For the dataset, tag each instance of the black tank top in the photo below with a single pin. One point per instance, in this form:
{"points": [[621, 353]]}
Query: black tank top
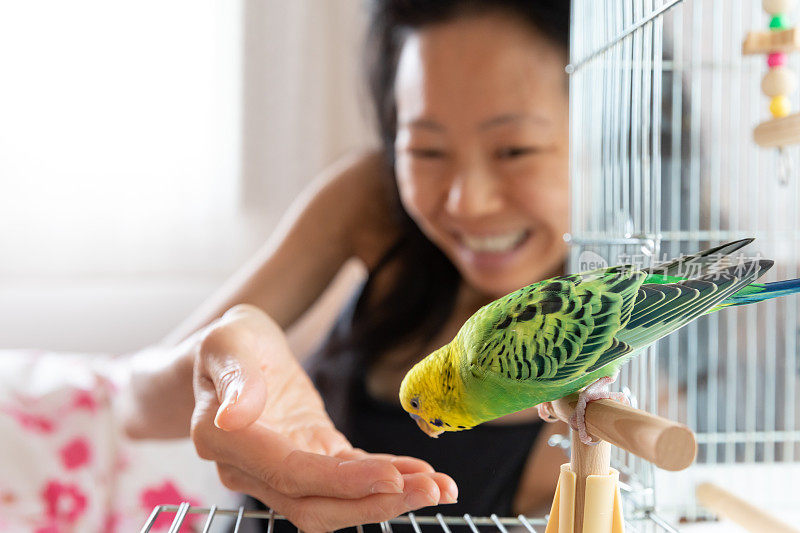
{"points": [[486, 462]]}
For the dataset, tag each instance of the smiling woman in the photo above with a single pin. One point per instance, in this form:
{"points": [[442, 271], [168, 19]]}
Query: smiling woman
{"points": [[472, 103], [481, 147], [467, 200]]}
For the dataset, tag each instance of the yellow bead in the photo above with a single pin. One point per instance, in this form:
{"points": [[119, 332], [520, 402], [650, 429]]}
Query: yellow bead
{"points": [[780, 106]]}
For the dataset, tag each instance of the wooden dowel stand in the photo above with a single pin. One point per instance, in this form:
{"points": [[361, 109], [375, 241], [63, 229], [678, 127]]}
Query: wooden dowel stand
{"points": [[587, 499], [666, 444], [723, 503], [587, 460]]}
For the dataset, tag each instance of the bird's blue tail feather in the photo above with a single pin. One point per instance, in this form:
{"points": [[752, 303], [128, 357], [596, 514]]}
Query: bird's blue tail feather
{"points": [[758, 292]]}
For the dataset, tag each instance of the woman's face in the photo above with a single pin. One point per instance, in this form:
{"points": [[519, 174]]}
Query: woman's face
{"points": [[482, 148]]}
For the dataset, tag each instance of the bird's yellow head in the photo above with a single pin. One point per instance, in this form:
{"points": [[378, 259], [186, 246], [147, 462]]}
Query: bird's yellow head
{"points": [[433, 394]]}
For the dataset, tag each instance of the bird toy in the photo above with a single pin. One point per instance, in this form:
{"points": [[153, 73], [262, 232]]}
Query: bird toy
{"points": [[779, 81]]}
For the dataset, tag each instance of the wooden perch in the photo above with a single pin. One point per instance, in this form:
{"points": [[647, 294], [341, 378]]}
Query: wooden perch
{"points": [[778, 132], [587, 497], [765, 42], [666, 444], [744, 513]]}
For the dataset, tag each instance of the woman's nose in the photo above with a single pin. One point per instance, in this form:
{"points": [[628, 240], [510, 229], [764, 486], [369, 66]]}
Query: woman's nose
{"points": [[473, 194]]}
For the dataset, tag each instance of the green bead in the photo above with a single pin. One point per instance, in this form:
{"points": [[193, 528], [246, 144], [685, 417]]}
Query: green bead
{"points": [[778, 22]]}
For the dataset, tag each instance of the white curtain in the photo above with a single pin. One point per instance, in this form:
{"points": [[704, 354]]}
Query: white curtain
{"points": [[147, 148], [304, 100]]}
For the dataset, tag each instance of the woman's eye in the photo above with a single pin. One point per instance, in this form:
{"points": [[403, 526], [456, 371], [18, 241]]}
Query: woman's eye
{"points": [[511, 152], [427, 153]]}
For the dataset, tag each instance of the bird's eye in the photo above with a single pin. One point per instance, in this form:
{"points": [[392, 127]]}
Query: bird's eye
{"points": [[437, 422], [414, 403]]}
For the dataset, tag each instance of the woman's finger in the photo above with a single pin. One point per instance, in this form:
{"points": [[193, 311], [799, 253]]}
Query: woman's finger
{"points": [[276, 462], [447, 487], [410, 465], [319, 514], [326, 514], [406, 465]]}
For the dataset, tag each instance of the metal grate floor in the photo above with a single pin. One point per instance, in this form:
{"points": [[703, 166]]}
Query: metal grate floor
{"points": [[649, 522]]}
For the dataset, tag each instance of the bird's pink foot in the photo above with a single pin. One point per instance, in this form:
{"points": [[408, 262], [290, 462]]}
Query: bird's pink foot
{"points": [[546, 412], [596, 391]]}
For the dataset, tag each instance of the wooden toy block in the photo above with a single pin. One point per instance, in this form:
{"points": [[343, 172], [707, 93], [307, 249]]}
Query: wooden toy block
{"points": [[764, 42], [778, 132]]}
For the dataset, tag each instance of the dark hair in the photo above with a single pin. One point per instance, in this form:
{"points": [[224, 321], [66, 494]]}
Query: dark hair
{"points": [[423, 292], [392, 20]]}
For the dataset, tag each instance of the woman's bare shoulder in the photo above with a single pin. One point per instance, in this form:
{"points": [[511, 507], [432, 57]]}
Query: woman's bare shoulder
{"points": [[359, 187]]}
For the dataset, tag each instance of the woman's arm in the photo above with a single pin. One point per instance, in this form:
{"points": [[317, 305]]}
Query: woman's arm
{"points": [[345, 213], [257, 415]]}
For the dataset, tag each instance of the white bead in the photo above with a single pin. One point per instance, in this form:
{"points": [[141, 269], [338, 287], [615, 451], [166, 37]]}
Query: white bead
{"points": [[778, 81], [776, 7]]}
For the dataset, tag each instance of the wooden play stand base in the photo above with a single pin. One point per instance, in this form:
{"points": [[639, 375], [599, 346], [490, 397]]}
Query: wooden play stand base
{"points": [[580, 488], [587, 498]]}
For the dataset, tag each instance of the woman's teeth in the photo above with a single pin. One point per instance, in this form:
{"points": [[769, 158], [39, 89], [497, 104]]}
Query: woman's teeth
{"points": [[494, 243]]}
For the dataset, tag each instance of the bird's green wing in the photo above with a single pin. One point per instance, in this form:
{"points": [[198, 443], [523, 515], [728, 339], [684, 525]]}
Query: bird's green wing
{"points": [[662, 308], [571, 328], [555, 330], [696, 265]]}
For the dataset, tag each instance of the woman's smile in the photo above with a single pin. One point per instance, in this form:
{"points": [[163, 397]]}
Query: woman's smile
{"points": [[493, 244], [491, 252]]}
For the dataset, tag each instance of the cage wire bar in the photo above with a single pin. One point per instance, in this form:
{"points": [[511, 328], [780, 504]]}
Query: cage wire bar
{"points": [[436, 522], [662, 164], [662, 107]]}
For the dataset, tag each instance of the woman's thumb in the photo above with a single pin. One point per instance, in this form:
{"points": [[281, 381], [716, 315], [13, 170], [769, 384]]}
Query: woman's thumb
{"points": [[241, 392], [231, 354]]}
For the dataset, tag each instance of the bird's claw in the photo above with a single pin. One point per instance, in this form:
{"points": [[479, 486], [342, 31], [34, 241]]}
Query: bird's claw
{"points": [[596, 391], [546, 412]]}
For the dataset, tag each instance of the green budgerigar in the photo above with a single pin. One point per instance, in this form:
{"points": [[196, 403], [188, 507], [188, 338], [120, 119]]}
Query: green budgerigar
{"points": [[562, 335]]}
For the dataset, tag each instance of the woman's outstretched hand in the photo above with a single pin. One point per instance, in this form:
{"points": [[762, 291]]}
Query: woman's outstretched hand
{"points": [[258, 416]]}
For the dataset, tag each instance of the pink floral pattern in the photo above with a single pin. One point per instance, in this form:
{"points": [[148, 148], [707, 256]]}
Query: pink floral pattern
{"points": [[84, 399], [166, 494], [30, 421], [75, 453], [63, 502], [67, 465]]}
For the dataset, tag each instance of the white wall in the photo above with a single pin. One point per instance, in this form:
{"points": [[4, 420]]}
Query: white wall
{"points": [[123, 144]]}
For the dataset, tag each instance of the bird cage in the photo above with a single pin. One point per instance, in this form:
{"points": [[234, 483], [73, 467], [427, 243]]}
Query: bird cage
{"points": [[663, 163]]}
